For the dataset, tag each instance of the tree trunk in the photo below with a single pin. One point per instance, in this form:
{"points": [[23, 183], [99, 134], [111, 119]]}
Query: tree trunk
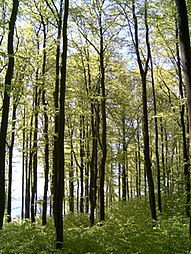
{"points": [[45, 130], [56, 108], [95, 123], [127, 180], [28, 169], [87, 170], [124, 186], [11, 163], [143, 73], [103, 115], [60, 142], [162, 152], [5, 111], [156, 138], [139, 163], [182, 120], [71, 174], [35, 149], [119, 181], [82, 164], [93, 166], [23, 163], [184, 37], [136, 174], [77, 190]]}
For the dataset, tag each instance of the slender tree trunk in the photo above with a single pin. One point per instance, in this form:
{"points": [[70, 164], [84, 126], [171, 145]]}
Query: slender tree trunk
{"points": [[71, 175], [139, 163], [92, 166], [56, 105], [45, 130], [166, 162], [77, 190], [60, 142], [87, 82], [28, 169], [11, 163], [131, 185], [162, 152], [87, 170], [23, 163], [143, 73], [119, 181], [156, 139], [82, 164], [103, 115], [127, 180], [184, 37], [145, 181], [95, 123], [92, 169], [182, 120], [5, 111], [37, 93], [35, 156], [137, 174], [124, 186]]}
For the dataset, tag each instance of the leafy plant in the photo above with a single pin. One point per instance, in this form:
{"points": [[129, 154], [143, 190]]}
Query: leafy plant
{"points": [[127, 229]]}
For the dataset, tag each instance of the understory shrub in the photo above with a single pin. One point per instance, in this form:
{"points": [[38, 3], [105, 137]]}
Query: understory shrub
{"points": [[127, 229]]}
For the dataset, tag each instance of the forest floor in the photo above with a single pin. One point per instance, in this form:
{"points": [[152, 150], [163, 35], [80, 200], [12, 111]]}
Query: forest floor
{"points": [[127, 229]]}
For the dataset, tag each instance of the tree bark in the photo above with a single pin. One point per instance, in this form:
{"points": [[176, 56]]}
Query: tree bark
{"points": [[143, 73], [5, 111], [60, 142], [184, 37], [28, 171], [56, 107], [124, 185], [23, 163], [87, 170], [104, 125], [139, 162], [45, 130], [71, 174], [119, 181], [82, 164], [11, 163], [35, 158], [182, 121], [156, 138]]}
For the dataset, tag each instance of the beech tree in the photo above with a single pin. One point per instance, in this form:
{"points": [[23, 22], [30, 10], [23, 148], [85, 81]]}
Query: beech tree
{"points": [[6, 103], [143, 73], [183, 126], [59, 181], [186, 61]]}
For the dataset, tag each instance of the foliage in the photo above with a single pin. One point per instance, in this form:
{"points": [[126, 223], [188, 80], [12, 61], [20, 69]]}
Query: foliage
{"points": [[127, 229]]}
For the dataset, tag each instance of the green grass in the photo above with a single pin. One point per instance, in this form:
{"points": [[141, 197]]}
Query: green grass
{"points": [[127, 229]]}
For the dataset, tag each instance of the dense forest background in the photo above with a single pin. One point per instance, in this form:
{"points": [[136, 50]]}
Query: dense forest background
{"points": [[95, 111]]}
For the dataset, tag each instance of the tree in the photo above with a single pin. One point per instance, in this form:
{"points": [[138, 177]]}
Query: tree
{"points": [[143, 73], [58, 16], [156, 136], [183, 126], [10, 162], [186, 61], [34, 158], [59, 181], [6, 103], [103, 112]]}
